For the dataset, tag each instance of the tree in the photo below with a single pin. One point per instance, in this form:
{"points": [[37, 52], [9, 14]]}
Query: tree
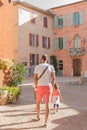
{"points": [[53, 61]]}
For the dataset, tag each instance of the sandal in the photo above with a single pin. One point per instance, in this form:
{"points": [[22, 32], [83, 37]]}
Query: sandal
{"points": [[45, 125], [38, 118]]}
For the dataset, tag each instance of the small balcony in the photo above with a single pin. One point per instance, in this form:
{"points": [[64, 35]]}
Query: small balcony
{"points": [[77, 51]]}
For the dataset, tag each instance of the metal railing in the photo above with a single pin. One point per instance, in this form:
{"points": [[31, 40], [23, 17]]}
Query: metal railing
{"points": [[77, 51]]}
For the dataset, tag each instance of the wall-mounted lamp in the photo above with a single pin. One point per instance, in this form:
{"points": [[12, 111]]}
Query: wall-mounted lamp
{"points": [[9, 1]]}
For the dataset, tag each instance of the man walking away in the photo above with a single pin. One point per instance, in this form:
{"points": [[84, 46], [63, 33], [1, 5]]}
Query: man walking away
{"points": [[44, 78]]}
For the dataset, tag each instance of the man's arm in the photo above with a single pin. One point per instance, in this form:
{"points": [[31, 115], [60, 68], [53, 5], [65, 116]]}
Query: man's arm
{"points": [[53, 78], [35, 80]]}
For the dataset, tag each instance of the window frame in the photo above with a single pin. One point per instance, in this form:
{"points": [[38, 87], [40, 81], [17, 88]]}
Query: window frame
{"points": [[33, 40], [34, 59], [46, 42]]}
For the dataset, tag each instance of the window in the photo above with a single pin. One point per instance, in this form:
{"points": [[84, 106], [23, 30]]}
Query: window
{"points": [[24, 63], [46, 42], [33, 17], [76, 18], [33, 39], [76, 42], [33, 20], [34, 59], [60, 43], [60, 21], [45, 22], [60, 65]]}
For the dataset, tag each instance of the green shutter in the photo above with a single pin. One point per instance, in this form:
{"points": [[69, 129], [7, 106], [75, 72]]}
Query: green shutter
{"points": [[58, 43], [64, 20], [81, 17], [64, 42], [55, 41], [71, 19], [55, 21]]}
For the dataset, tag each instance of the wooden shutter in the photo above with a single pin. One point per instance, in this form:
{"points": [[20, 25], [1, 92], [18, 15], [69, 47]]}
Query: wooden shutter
{"points": [[64, 42], [43, 41], [58, 43], [71, 19], [45, 21], [76, 18], [30, 39], [37, 59], [30, 59], [55, 43], [81, 17], [55, 21], [48, 42], [37, 40], [64, 20]]}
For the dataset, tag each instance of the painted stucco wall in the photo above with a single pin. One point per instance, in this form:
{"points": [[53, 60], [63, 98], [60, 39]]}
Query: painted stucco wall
{"points": [[38, 29], [69, 32]]}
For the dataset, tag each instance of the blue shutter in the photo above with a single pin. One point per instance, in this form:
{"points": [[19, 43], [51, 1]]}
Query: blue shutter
{"points": [[71, 19], [64, 20], [81, 17], [76, 16], [55, 21]]}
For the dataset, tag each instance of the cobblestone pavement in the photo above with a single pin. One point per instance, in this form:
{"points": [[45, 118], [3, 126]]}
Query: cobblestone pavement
{"points": [[72, 113]]}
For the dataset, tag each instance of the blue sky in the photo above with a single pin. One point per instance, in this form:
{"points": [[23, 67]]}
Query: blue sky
{"points": [[46, 4]]}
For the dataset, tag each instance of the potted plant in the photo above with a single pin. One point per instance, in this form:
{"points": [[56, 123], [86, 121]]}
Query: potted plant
{"points": [[9, 94], [13, 77]]}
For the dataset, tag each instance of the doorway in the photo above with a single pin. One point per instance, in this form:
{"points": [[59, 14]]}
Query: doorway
{"points": [[60, 68], [76, 67]]}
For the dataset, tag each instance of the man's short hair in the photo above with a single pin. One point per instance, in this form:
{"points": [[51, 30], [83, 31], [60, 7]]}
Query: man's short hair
{"points": [[44, 57]]}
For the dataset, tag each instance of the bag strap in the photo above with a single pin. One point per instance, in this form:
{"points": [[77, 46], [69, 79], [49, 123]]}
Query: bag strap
{"points": [[43, 72]]}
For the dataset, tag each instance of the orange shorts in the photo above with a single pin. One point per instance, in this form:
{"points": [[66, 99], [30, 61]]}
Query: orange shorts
{"points": [[44, 91]]}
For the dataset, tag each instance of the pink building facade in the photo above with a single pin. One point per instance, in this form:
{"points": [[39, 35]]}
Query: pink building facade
{"points": [[70, 39]]}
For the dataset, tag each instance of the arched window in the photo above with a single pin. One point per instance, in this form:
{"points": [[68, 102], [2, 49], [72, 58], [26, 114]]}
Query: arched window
{"points": [[76, 42]]}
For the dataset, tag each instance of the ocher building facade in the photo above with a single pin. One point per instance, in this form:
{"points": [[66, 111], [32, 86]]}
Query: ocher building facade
{"points": [[8, 33], [7, 30], [70, 38]]}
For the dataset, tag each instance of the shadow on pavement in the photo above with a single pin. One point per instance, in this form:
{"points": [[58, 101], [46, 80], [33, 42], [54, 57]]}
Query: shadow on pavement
{"points": [[77, 122]]}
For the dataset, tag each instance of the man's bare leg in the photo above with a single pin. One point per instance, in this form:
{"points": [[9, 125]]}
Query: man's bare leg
{"points": [[38, 110], [46, 112]]}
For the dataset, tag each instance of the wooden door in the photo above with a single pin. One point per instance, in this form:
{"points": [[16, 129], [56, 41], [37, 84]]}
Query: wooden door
{"points": [[76, 67]]}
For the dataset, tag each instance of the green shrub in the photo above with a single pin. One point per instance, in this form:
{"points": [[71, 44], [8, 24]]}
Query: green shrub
{"points": [[18, 74], [11, 92]]}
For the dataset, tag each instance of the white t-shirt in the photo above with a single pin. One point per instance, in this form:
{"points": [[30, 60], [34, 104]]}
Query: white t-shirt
{"points": [[46, 77]]}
